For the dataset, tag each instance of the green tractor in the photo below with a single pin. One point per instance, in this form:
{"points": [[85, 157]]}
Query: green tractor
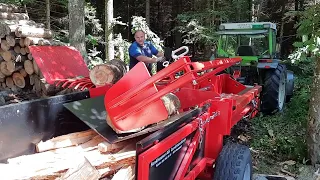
{"points": [[256, 44]]}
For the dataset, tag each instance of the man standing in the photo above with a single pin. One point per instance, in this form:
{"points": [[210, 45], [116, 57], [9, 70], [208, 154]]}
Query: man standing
{"points": [[142, 51]]}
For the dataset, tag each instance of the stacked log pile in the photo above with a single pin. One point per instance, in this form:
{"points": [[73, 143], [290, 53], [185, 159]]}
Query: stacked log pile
{"points": [[81, 155], [18, 71]]}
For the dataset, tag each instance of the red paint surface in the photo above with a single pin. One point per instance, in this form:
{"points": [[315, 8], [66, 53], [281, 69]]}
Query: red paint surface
{"points": [[59, 62]]}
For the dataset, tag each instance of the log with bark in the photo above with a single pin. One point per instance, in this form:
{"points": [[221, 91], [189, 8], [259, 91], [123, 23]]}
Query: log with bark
{"points": [[108, 73], [70, 155]]}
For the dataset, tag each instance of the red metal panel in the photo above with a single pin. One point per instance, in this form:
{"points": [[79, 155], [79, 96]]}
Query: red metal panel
{"points": [[59, 62], [151, 154]]}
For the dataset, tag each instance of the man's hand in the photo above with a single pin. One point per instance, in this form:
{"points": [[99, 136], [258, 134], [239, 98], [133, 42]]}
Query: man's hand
{"points": [[160, 59]]}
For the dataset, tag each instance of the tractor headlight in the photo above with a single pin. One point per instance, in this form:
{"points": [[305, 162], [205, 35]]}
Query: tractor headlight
{"points": [[222, 27]]}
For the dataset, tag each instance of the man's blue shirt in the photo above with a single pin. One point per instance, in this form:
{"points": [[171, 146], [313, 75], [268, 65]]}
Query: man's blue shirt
{"points": [[136, 50]]}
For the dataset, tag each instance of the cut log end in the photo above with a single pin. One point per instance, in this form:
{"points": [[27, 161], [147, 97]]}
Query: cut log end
{"points": [[108, 73], [18, 80]]}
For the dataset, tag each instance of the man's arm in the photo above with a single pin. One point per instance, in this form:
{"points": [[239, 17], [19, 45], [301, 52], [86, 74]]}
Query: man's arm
{"points": [[136, 53], [155, 51]]}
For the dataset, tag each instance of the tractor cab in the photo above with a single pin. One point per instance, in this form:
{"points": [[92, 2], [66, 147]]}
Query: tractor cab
{"points": [[250, 41]]}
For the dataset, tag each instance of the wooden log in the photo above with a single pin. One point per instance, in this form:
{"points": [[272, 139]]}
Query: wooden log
{"points": [[9, 8], [36, 68], [82, 170], [17, 49], [14, 16], [2, 75], [49, 164], [30, 57], [4, 30], [4, 69], [105, 147], [171, 103], [65, 141], [11, 40], [11, 66], [108, 73], [7, 55], [33, 32], [27, 49], [31, 79], [23, 51], [9, 82], [21, 43], [23, 72], [28, 66], [18, 80], [125, 173], [33, 41], [4, 45]]}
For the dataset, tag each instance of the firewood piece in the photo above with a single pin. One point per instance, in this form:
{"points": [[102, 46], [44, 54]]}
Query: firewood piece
{"points": [[9, 8], [27, 49], [82, 170], [28, 41], [4, 69], [14, 16], [10, 39], [28, 66], [23, 51], [9, 82], [108, 73], [18, 80], [30, 57], [4, 30], [51, 164], [33, 32], [17, 49], [21, 43], [125, 173], [35, 67], [23, 72], [11, 66], [4, 45], [2, 75], [65, 141], [107, 147], [7, 55], [171, 103], [31, 79], [2, 80]]}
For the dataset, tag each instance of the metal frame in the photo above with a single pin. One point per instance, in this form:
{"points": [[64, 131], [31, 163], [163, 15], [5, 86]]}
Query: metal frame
{"points": [[227, 102]]}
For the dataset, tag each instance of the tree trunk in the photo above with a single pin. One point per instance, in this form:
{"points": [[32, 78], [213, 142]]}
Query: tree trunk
{"points": [[108, 29], [313, 139], [148, 12], [77, 26], [48, 14]]}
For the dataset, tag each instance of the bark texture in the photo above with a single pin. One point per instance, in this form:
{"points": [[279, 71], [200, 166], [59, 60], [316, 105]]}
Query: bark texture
{"points": [[313, 139]]}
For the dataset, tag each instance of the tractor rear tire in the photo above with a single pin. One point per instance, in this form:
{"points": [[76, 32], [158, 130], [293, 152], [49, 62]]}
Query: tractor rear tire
{"points": [[274, 90], [233, 163]]}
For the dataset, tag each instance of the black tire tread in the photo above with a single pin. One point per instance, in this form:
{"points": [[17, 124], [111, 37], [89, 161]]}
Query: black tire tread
{"points": [[271, 89], [231, 161]]}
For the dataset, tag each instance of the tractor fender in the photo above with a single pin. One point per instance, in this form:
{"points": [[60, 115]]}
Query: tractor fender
{"points": [[290, 84], [268, 65]]}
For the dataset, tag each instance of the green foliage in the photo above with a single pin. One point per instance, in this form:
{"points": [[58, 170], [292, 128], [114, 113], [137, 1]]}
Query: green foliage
{"points": [[139, 23], [283, 136], [308, 26]]}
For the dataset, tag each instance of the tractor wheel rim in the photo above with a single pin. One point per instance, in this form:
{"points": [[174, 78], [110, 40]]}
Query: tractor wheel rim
{"points": [[282, 91], [247, 173]]}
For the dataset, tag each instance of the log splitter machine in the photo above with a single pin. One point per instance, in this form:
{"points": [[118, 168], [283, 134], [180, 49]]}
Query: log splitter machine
{"points": [[181, 145], [186, 145]]}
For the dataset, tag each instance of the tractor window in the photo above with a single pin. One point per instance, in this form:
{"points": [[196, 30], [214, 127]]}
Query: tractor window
{"points": [[245, 45]]}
